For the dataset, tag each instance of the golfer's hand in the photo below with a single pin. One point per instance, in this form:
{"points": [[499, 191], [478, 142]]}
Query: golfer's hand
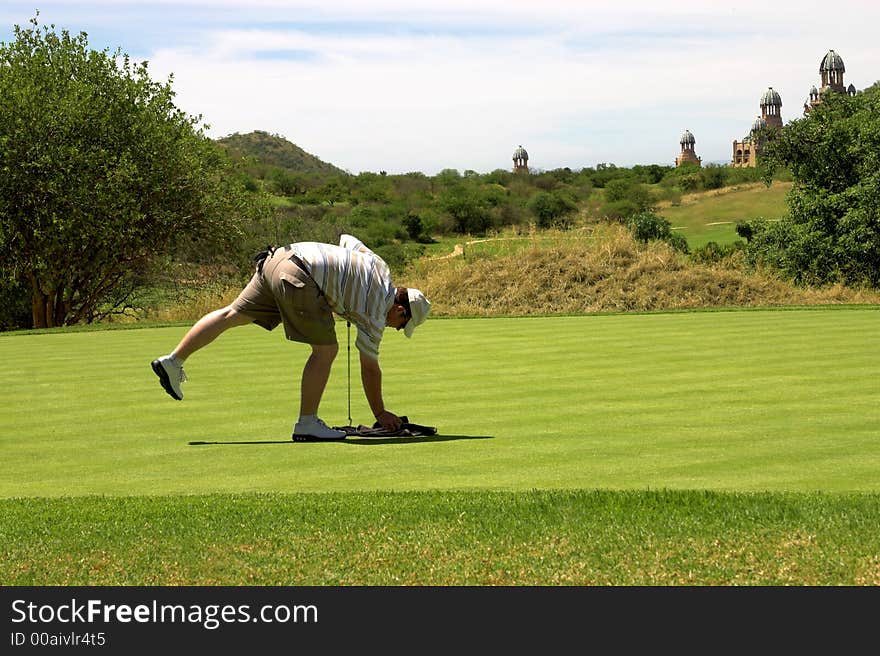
{"points": [[389, 420]]}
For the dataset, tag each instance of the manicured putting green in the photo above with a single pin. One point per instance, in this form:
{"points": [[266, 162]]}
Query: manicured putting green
{"points": [[740, 400]]}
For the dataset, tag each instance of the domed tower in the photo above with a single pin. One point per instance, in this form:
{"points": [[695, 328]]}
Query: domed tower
{"points": [[771, 108], [520, 160], [745, 152], [831, 69], [812, 101], [687, 154]]}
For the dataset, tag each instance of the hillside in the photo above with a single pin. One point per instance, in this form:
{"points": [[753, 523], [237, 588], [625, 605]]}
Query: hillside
{"points": [[598, 269], [712, 215], [275, 150]]}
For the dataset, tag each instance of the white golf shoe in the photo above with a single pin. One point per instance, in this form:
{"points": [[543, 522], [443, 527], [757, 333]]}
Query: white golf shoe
{"points": [[313, 429], [170, 374]]}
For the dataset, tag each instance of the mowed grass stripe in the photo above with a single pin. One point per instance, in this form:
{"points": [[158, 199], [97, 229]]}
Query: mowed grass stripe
{"points": [[739, 400]]}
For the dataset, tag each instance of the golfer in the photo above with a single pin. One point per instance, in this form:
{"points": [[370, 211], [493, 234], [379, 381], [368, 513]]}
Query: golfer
{"points": [[301, 286]]}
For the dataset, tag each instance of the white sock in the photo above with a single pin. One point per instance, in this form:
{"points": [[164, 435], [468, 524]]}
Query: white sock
{"points": [[307, 419], [175, 360]]}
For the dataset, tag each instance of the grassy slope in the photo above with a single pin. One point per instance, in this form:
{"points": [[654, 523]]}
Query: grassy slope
{"points": [[700, 217], [746, 400], [712, 216], [598, 268]]}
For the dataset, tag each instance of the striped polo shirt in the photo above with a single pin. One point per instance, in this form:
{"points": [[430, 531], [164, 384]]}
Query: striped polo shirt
{"points": [[356, 283]]}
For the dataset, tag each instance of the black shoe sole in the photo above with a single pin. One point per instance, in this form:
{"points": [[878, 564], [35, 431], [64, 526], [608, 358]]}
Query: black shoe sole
{"points": [[309, 438], [159, 370]]}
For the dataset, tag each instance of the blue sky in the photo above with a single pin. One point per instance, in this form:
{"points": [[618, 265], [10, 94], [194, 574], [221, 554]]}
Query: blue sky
{"points": [[400, 86]]}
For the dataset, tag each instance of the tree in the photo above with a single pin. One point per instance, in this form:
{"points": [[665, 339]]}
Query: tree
{"points": [[289, 183], [412, 222], [627, 196], [650, 173], [831, 232], [467, 210], [335, 190], [550, 207], [686, 177], [712, 176], [100, 175]]}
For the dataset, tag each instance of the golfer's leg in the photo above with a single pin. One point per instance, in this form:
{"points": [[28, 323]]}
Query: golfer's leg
{"points": [[209, 328], [315, 376]]}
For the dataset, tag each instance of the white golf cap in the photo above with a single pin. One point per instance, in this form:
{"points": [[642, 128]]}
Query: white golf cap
{"points": [[419, 308]]}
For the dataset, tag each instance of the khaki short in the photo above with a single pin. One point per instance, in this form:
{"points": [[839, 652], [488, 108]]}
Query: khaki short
{"points": [[285, 293]]}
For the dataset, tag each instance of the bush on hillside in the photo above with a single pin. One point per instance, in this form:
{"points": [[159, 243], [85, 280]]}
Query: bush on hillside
{"points": [[715, 253], [551, 208], [467, 208], [629, 190], [647, 226]]}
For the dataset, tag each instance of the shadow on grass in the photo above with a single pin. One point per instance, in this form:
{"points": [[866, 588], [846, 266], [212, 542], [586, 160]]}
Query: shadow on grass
{"points": [[356, 440], [414, 440]]}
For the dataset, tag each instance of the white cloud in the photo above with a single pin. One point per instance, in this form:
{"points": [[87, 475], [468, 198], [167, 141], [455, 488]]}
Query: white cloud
{"points": [[402, 86]]}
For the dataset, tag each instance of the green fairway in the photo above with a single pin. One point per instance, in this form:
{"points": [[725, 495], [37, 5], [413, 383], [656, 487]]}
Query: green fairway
{"points": [[713, 216], [776, 400]]}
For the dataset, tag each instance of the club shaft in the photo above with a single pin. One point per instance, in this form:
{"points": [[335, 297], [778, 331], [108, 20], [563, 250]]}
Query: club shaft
{"points": [[348, 349]]}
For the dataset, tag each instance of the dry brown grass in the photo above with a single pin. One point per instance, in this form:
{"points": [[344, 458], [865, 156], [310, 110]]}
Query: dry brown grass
{"points": [[195, 307], [189, 292], [605, 271]]}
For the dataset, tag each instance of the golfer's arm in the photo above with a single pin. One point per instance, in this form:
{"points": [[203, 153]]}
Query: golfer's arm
{"points": [[371, 377]]}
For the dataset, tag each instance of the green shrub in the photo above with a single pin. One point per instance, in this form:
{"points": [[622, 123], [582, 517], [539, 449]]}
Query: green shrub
{"points": [[550, 208], [712, 177], [647, 226], [413, 225], [620, 210], [713, 253], [678, 241], [466, 207]]}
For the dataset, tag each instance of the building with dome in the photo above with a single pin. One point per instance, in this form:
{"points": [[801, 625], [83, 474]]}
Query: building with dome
{"points": [[687, 155], [771, 108], [747, 150], [831, 70], [520, 160]]}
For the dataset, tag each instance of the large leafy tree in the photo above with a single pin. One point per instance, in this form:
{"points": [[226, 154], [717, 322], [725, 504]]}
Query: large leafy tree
{"points": [[100, 176], [550, 207], [467, 207], [831, 232]]}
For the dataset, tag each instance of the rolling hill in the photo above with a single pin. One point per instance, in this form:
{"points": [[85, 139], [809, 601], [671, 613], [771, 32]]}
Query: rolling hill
{"points": [[275, 150]]}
